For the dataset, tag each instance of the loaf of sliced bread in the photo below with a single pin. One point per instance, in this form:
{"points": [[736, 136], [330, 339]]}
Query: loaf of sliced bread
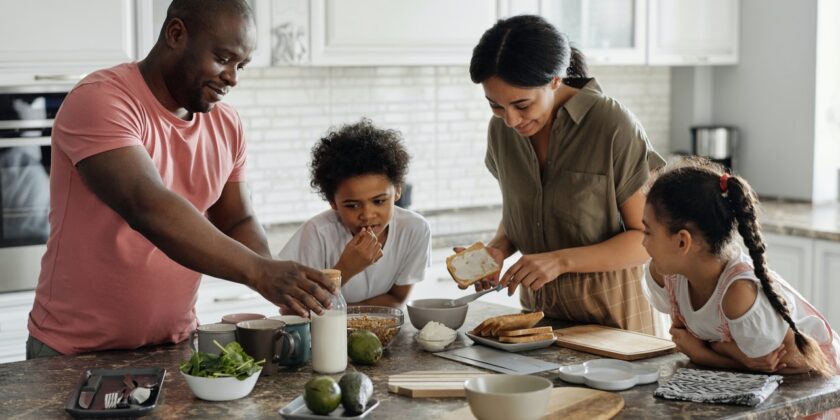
{"points": [[526, 331], [528, 338], [471, 265], [491, 327]]}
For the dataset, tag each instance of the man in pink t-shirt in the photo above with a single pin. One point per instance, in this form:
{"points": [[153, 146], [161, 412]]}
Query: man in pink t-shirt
{"points": [[147, 192]]}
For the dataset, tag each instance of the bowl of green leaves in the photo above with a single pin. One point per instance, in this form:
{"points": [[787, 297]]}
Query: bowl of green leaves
{"points": [[229, 376]]}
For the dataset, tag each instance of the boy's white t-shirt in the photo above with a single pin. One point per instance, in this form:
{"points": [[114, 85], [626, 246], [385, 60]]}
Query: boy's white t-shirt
{"points": [[319, 242]]}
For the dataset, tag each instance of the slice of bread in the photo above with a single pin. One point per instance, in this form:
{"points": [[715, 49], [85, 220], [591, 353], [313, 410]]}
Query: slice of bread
{"points": [[526, 331], [471, 265], [528, 338], [491, 327]]}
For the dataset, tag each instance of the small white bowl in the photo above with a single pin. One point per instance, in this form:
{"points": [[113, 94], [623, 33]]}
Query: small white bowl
{"points": [[434, 345], [221, 389], [504, 397]]}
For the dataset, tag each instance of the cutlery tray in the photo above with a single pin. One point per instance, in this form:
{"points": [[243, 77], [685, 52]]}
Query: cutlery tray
{"points": [[112, 381]]}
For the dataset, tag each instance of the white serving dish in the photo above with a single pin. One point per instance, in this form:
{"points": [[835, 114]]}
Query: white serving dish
{"points": [[511, 347], [609, 374], [221, 389]]}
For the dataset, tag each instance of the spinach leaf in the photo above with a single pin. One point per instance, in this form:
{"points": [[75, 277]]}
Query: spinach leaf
{"points": [[232, 361]]}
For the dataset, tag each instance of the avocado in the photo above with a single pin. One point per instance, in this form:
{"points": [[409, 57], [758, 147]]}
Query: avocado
{"points": [[356, 391], [364, 347]]}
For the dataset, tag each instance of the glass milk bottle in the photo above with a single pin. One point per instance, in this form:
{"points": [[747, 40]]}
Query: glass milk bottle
{"points": [[329, 332]]}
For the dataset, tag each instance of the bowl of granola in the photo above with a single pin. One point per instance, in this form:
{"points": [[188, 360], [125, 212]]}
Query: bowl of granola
{"points": [[385, 322]]}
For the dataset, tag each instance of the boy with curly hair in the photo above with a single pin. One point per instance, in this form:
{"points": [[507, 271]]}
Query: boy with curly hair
{"points": [[381, 249]]}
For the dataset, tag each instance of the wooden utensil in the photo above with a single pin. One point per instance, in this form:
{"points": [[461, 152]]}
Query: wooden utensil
{"points": [[613, 342], [432, 384], [568, 403]]}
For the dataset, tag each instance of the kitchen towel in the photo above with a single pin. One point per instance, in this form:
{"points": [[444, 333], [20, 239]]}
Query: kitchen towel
{"points": [[718, 387]]}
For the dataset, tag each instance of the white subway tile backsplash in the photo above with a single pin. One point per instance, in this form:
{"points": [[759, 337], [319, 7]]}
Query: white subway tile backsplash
{"points": [[442, 115]]}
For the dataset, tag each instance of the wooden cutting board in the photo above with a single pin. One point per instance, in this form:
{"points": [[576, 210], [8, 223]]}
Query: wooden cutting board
{"points": [[432, 384], [568, 403], [613, 342]]}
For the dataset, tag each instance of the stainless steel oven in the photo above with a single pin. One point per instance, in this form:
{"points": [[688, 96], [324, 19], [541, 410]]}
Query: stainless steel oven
{"points": [[26, 119]]}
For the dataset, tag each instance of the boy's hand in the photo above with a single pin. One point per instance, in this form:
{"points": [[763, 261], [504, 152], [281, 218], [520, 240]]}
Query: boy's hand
{"points": [[362, 251]]}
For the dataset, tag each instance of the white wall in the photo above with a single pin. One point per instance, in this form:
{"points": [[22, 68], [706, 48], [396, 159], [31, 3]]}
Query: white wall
{"points": [[441, 113], [768, 95], [827, 132]]}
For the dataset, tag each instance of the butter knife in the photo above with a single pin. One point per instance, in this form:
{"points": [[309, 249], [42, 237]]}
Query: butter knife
{"points": [[88, 391]]}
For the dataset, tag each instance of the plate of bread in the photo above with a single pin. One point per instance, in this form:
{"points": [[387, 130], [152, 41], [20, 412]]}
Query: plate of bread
{"points": [[513, 332]]}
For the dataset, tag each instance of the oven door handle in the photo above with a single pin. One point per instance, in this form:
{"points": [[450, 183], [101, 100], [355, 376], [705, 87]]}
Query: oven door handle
{"points": [[59, 77]]}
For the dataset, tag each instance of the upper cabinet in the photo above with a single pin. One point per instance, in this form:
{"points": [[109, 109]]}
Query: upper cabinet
{"points": [[405, 32], [693, 32], [59, 39], [606, 31]]}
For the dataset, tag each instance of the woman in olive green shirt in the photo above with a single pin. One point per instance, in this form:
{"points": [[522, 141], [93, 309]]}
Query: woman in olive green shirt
{"points": [[571, 163]]}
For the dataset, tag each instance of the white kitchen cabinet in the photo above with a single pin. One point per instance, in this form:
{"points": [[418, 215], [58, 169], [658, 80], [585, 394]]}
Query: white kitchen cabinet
{"points": [[693, 32], [58, 39], [405, 32], [793, 258], [217, 298], [14, 315], [606, 31], [827, 280]]}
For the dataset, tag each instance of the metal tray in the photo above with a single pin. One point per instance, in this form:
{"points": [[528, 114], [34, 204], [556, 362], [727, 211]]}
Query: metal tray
{"points": [[111, 382], [511, 347], [296, 410]]}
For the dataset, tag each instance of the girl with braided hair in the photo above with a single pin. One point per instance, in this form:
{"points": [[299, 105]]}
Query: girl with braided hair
{"points": [[729, 310]]}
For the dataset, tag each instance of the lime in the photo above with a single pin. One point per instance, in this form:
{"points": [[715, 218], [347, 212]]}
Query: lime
{"points": [[322, 395], [364, 347]]}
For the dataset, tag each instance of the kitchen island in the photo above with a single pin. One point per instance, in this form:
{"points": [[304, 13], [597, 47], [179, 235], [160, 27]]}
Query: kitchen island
{"points": [[40, 388]]}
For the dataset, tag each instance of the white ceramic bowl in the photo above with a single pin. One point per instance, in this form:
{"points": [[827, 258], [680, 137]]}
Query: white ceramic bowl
{"points": [[421, 311], [504, 397], [434, 345], [221, 389]]}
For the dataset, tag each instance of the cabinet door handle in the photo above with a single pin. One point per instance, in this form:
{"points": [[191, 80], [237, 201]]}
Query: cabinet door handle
{"points": [[237, 298], [60, 77]]}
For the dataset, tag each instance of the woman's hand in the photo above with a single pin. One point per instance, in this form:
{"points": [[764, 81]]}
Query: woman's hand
{"points": [[362, 251], [769, 363], [686, 342], [488, 282], [533, 271]]}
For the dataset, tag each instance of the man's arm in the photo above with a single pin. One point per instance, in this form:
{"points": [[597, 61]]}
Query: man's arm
{"points": [[127, 181], [233, 215]]}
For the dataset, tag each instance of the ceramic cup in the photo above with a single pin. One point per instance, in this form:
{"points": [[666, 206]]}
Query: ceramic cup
{"points": [[201, 339], [266, 339], [299, 328], [237, 318]]}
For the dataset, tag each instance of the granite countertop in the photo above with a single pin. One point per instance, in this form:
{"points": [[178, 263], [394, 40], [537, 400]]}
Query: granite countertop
{"points": [[40, 388], [817, 221]]}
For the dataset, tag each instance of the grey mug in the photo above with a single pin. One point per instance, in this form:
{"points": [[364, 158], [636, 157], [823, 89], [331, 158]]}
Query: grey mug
{"points": [[201, 338]]}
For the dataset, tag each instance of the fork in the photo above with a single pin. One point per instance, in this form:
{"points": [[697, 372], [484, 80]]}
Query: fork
{"points": [[112, 399]]}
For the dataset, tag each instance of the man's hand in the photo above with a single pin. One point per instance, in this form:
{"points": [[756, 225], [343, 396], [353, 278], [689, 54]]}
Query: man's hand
{"points": [[294, 287], [489, 282], [362, 251]]}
